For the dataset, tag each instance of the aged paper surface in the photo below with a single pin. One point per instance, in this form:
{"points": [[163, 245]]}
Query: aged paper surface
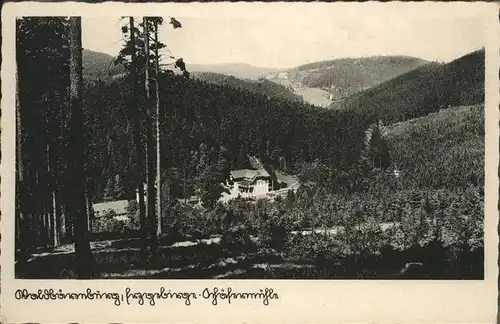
{"points": [[234, 39]]}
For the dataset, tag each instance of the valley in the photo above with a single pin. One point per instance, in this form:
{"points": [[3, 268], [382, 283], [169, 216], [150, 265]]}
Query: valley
{"points": [[352, 168], [330, 82]]}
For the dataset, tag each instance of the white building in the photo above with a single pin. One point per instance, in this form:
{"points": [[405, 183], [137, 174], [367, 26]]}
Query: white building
{"points": [[251, 182], [254, 182], [118, 207]]}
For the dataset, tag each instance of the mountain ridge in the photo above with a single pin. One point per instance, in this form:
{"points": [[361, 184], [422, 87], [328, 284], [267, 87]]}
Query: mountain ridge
{"points": [[424, 90], [97, 64], [238, 70], [343, 77], [324, 82], [261, 86]]}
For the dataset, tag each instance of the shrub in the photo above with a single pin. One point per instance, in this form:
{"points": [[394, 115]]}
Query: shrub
{"points": [[271, 231], [237, 240], [319, 248]]}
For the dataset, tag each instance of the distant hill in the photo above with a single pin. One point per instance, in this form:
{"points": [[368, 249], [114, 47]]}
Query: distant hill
{"points": [[101, 64], [341, 78], [261, 86], [424, 90], [442, 149], [96, 64], [239, 70]]}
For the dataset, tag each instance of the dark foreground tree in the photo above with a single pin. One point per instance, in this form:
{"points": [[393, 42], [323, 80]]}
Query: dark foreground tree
{"points": [[21, 230], [42, 58], [137, 139], [156, 22], [77, 205], [152, 65], [134, 112], [149, 144]]}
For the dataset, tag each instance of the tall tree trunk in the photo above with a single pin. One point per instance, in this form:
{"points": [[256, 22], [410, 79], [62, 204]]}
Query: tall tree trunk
{"points": [[57, 219], [61, 209], [68, 221], [84, 259], [47, 214], [47, 199], [137, 143], [50, 198], [150, 147], [88, 209], [158, 147], [184, 186], [21, 215], [57, 233], [19, 169], [37, 209]]}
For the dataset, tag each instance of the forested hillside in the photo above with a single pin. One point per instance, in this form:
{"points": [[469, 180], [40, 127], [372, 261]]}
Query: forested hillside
{"points": [[238, 70], [393, 181], [261, 86], [427, 149], [246, 121], [216, 118], [99, 65], [344, 77], [424, 90]]}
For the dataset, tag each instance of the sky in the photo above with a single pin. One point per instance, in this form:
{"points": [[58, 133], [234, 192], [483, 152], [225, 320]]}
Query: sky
{"points": [[296, 35]]}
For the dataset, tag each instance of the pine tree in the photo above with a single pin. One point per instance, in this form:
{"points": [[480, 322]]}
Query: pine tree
{"points": [[203, 158], [376, 151], [109, 192], [118, 189], [157, 124], [149, 144], [130, 49], [224, 163], [84, 257], [21, 217]]}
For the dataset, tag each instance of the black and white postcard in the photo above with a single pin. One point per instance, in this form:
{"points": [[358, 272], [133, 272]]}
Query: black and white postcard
{"points": [[249, 162]]}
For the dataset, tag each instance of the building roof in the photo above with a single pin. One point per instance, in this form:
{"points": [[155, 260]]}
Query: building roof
{"points": [[249, 174], [118, 206]]}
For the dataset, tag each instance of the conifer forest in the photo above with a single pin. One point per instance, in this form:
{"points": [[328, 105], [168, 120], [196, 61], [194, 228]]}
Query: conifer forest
{"points": [[134, 166]]}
